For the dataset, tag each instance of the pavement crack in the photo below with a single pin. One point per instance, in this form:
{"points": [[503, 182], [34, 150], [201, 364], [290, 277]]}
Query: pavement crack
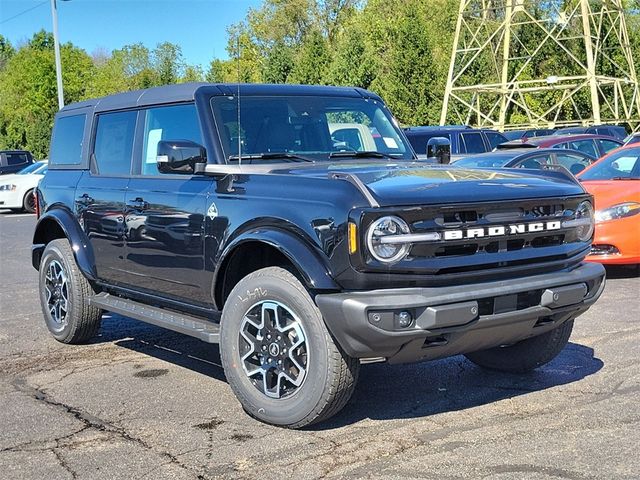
{"points": [[91, 421]]}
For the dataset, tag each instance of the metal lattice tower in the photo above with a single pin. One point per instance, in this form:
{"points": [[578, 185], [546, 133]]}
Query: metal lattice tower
{"points": [[505, 71]]}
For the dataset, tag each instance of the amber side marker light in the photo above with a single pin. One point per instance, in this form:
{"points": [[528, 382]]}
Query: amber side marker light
{"points": [[353, 238]]}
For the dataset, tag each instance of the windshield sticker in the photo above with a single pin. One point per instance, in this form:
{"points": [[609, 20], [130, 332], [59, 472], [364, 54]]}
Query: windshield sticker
{"points": [[390, 142]]}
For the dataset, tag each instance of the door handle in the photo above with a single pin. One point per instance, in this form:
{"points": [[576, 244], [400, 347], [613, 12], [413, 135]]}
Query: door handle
{"points": [[137, 204]]}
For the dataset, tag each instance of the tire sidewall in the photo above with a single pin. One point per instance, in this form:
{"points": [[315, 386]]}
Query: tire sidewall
{"points": [[25, 207], [54, 252], [295, 408]]}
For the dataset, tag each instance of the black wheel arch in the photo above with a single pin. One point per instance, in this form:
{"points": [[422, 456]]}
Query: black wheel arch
{"points": [[60, 222], [275, 247]]}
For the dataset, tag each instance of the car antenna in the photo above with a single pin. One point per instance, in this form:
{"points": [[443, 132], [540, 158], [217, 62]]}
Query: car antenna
{"points": [[238, 133]]}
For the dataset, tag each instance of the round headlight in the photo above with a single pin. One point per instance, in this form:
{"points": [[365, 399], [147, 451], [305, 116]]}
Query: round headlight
{"points": [[585, 222], [387, 251]]}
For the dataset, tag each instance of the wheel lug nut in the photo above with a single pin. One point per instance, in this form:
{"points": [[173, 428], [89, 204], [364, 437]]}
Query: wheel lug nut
{"points": [[279, 337], [279, 362], [268, 336], [264, 347]]}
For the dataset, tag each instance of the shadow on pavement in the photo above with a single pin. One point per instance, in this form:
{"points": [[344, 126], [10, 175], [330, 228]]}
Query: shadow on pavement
{"points": [[384, 392], [622, 271]]}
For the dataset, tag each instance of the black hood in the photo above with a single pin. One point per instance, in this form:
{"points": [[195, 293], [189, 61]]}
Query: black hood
{"points": [[413, 183]]}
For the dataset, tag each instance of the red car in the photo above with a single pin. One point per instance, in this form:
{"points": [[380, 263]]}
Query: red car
{"points": [[593, 145], [614, 181]]}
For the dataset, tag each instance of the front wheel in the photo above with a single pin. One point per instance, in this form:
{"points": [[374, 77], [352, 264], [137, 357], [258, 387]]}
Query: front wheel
{"points": [[278, 356], [527, 354]]}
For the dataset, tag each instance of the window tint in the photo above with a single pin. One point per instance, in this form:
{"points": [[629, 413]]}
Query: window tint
{"points": [[607, 145], [16, 158], [179, 122], [495, 139], [114, 142], [66, 143], [586, 146], [473, 142], [535, 162], [574, 163], [419, 140]]}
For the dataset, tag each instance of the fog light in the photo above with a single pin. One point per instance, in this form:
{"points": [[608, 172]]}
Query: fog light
{"points": [[404, 319]]}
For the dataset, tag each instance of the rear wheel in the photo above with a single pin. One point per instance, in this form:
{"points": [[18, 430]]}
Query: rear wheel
{"points": [[278, 356], [64, 293], [525, 355], [29, 201]]}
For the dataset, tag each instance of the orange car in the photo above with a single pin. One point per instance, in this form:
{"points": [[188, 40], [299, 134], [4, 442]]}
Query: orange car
{"points": [[614, 181]]}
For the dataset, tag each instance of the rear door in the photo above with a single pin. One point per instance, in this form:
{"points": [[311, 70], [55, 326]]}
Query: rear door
{"points": [[100, 193], [165, 213], [472, 142]]}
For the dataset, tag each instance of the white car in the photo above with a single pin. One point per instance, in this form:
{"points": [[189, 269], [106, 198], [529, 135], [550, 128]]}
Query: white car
{"points": [[17, 190]]}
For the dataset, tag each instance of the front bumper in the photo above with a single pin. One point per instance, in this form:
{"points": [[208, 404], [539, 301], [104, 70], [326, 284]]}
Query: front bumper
{"points": [[458, 319]]}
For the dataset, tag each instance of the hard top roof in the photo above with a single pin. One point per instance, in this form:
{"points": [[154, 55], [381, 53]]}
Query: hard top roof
{"points": [[185, 92]]}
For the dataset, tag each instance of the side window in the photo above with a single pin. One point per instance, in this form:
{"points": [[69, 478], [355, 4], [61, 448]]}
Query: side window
{"points": [[561, 145], [178, 122], [16, 158], [607, 145], [586, 146], [473, 142], [66, 142], [536, 161], [573, 163], [495, 139], [114, 142]]}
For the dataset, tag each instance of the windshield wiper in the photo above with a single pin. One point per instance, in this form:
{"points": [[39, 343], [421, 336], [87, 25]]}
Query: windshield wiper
{"points": [[357, 154], [270, 156]]}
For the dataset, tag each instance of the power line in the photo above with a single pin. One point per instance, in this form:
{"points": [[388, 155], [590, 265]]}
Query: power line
{"points": [[23, 12]]}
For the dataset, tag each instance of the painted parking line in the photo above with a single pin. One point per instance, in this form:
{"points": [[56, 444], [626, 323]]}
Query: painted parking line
{"points": [[16, 215]]}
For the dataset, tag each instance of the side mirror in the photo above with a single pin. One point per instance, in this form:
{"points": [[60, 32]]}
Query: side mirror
{"points": [[179, 156], [439, 148]]}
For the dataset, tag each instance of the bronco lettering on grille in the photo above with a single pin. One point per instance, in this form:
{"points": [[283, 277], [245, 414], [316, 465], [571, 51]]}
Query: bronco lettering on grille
{"points": [[501, 230]]}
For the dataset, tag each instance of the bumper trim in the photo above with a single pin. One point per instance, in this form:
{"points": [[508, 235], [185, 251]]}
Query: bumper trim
{"points": [[446, 322]]}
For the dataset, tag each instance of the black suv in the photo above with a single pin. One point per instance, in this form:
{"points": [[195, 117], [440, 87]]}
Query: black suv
{"points": [[269, 219], [463, 139], [12, 161]]}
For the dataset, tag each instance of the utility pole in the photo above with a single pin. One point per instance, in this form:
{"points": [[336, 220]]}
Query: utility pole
{"points": [[501, 43], [56, 48]]}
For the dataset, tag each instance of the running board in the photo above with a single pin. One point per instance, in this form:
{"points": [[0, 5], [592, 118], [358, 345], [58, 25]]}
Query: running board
{"points": [[178, 322]]}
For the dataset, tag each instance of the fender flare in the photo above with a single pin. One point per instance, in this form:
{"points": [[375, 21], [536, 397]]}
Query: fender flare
{"points": [[65, 221], [305, 258]]}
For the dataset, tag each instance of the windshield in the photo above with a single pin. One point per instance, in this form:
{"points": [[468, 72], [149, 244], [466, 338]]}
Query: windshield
{"points": [[306, 127], [619, 165], [34, 168]]}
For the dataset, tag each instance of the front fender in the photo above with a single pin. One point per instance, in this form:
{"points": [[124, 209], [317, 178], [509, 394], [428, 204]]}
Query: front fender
{"points": [[58, 223], [308, 262]]}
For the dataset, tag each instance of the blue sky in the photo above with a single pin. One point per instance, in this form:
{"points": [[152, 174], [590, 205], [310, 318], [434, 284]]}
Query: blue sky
{"points": [[198, 26]]}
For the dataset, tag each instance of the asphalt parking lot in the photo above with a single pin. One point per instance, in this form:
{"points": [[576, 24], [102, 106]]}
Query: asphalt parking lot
{"points": [[141, 402]]}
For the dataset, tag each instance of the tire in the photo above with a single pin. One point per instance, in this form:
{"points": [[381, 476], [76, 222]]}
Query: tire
{"points": [[525, 355], [330, 375], [62, 283], [29, 202]]}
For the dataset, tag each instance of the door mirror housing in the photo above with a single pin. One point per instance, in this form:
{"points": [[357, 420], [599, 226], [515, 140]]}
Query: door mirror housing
{"points": [[439, 149], [179, 156]]}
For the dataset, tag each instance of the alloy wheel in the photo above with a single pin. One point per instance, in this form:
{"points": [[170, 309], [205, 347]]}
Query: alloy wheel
{"points": [[273, 349]]}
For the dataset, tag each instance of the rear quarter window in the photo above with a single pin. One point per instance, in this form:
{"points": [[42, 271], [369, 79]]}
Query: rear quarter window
{"points": [[66, 142], [16, 158]]}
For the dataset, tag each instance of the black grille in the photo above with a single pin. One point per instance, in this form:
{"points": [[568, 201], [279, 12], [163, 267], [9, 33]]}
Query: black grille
{"points": [[485, 252]]}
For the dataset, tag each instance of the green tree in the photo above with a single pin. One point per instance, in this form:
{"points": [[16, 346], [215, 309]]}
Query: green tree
{"points": [[312, 60], [29, 97], [168, 63]]}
